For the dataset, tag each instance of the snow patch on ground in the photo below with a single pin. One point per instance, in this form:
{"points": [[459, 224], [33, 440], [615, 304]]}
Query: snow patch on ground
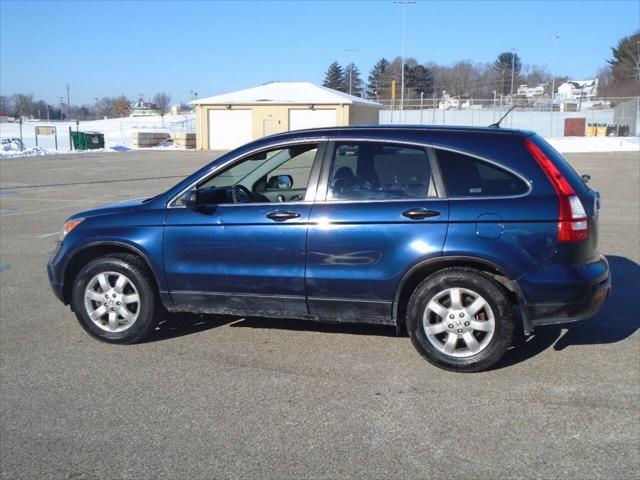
{"points": [[38, 151], [117, 133], [595, 144]]}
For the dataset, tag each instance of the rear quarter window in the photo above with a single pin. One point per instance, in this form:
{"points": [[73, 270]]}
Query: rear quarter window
{"points": [[466, 176]]}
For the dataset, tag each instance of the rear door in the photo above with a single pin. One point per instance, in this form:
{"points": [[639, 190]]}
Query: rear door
{"points": [[378, 211]]}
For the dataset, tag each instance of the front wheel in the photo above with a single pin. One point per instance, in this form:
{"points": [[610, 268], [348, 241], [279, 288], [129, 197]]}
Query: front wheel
{"points": [[114, 299], [460, 319]]}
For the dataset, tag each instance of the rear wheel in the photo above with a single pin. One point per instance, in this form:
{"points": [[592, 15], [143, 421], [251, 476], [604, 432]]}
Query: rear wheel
{"points": [[461, 319], [114, 299]]}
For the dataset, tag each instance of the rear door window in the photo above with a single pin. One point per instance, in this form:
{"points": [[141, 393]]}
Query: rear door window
{"points": [[380, 171], [466, 176]]}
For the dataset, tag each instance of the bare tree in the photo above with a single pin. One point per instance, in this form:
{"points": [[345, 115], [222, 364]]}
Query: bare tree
{"points": [[104, 106], [5, 105], [121, 107], [534, 75], [162, 102], [22, 104]]}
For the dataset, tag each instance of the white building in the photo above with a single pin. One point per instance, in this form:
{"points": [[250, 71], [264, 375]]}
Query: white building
{"points": [[578, 90], [531, 92], [448, 101], [229, 120]]}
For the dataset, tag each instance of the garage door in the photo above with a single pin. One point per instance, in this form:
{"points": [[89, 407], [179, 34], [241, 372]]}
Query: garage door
{"points": [[229, 128], [299, 119]]}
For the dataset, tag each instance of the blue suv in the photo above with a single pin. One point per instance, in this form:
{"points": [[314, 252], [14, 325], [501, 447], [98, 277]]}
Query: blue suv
{"points": [[465, 237]]}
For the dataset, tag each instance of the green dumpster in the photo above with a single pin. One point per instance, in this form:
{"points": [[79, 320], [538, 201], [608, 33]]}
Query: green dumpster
{"points": [[87, 140]]}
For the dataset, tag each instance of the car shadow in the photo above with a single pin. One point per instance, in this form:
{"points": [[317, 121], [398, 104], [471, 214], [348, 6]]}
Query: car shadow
{"points": [[174, 325], [313, 326], [618, 319]]}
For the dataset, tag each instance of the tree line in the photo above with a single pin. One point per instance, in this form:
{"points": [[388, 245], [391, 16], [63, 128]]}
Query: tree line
{"points": [[25, 106], [465, 79]]}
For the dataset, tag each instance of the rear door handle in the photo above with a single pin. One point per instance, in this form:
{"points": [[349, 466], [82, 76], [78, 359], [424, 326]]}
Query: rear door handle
{"points": [[281, 215], [420, 213]]}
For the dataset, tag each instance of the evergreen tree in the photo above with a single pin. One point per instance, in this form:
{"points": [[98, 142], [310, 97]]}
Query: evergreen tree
{"points": [[375, 82], [503, 66], [334, 77], [625, 64], [352, 81], [420, 79]]}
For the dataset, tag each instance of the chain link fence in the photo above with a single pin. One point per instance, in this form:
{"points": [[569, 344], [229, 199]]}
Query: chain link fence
{"points": [[541, 116]]}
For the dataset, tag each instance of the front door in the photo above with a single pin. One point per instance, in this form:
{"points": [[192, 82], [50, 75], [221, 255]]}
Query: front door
{"points": [[382, 213], [242, 250]]}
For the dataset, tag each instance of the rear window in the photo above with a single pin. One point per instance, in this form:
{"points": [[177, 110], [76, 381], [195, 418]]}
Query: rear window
{"points": [[466, 176]]}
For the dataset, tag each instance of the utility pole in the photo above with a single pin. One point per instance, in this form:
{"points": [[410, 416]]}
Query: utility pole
{"points": [[68, 103], [404, 4]]}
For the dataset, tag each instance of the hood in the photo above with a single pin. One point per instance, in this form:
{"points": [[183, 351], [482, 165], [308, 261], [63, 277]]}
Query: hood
{"points": [[117, 207]]}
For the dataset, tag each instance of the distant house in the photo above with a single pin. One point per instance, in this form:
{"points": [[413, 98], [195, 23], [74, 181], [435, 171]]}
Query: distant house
{"points": [[578, 90], [181, 109], [531, 92], [143, 109], [448, 101]]}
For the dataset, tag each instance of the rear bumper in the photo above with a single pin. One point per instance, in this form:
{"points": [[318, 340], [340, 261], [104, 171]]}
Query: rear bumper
{"points": [[551, 313], [585, 301]]}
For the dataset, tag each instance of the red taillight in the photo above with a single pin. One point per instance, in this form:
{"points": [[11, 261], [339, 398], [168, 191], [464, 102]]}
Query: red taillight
{"points": [[572, 222]]}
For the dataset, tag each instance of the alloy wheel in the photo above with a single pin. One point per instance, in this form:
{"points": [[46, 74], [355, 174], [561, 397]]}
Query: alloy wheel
{"points": [[459, 322], [112, 301]]}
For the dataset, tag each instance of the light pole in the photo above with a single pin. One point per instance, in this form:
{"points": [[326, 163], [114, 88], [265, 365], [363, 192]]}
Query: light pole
{"points": [[404, 4], [349, 51], [513, 68], [553, 78], [68, 103], [553, 67]]}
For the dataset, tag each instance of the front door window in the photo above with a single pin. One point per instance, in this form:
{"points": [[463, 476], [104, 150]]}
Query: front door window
{"points": [[280, 175]]}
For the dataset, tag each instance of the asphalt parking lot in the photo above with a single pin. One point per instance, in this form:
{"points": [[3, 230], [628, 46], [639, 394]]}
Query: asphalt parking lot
{"points": [[213, 397]]}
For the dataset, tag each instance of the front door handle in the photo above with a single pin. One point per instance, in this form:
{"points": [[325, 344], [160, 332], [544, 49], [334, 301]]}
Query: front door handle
{"points": [[281, 215], [420, 213]]}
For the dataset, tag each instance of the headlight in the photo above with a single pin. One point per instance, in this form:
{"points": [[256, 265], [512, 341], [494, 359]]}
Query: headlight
{"points": [[68, 226]]}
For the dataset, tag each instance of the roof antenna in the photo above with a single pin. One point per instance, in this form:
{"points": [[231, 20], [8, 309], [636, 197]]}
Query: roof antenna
{"points": [[497, 124]]}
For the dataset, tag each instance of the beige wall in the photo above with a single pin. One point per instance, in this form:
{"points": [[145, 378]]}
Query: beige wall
{"points": [[279, 117], [363, 115]]}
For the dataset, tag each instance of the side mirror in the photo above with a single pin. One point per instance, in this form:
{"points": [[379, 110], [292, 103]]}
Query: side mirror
{"points": [[280, 182], [191, 199], [585, 178]]}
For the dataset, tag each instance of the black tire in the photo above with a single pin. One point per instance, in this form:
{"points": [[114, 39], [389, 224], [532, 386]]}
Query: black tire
{"points": [[137, 272], [492, 292]]}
